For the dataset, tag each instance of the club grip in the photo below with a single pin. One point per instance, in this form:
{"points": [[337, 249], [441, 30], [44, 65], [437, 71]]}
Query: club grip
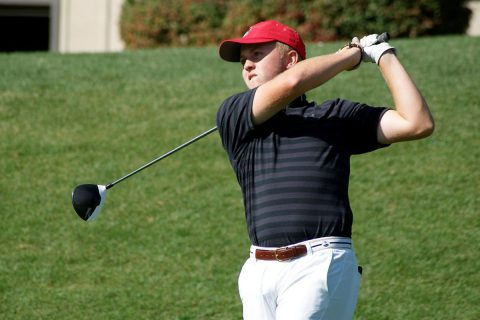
{"points": [[384, 37]]}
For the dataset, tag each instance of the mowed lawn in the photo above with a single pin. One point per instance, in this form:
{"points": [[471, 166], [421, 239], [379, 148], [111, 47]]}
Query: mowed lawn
{"points": [[171, 240]]}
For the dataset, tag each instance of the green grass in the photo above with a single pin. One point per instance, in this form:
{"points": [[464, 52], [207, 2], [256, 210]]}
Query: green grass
{"points": [[170, 241]]}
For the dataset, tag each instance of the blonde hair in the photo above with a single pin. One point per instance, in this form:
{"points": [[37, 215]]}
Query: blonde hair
{"points": [[285, 48]]}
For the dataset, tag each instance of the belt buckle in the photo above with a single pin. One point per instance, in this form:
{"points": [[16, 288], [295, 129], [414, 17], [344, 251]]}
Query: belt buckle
{"points": [[279, 251]]}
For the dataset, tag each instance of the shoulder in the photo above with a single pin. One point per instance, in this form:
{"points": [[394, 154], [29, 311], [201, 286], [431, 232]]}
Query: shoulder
{"points": [[241, 98], [235, 107], [342, 108]]}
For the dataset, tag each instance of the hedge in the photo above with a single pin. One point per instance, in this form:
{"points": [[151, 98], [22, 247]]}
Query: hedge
{"points": [[152, 23]]}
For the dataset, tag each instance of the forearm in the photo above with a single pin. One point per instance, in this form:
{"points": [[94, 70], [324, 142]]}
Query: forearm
{"points": [[314, 72], [306, 75], [412, 119]]}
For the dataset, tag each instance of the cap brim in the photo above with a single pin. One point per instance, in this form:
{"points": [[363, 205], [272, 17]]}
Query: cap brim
{"points": [[229, 50]]}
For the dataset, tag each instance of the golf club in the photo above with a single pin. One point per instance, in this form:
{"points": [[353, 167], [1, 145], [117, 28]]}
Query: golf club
{"points": [[88, 199], [384, 37]]}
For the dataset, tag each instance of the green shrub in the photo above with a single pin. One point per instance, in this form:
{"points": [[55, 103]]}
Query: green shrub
{"points": [[153, 23], [149, 23], [407, 18], [300, 14]]}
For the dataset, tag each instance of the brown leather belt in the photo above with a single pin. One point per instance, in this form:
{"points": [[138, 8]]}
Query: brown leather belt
{"points": [[281, 254]]}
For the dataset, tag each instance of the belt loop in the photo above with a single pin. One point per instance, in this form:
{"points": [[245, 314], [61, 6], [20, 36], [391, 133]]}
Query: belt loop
{"points": [[252, 252], [309, 247]]}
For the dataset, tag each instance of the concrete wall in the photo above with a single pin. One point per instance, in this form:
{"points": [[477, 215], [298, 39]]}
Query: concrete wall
{"points": [[89, 26], [474, 27]]}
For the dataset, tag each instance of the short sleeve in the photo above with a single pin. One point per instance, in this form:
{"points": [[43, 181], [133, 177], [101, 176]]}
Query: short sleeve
{"points": [[361, 124], [234, 121]]}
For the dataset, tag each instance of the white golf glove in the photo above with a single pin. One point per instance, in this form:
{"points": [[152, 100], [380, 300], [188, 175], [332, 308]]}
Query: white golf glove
{"points": [[367, 41], [373, 52]]}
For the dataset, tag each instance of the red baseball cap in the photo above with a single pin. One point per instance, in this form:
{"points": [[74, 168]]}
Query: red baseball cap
{"points": [[262, 32]]}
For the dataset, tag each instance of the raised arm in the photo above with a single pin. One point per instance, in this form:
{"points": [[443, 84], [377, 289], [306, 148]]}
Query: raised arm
{"points": [[411, 118], [274, 95]]}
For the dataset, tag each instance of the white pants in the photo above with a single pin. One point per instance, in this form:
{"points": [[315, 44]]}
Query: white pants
{"points": [[322, 285]]}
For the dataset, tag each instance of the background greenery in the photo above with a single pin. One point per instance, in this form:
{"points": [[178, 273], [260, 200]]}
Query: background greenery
{"points": [[170, 241], [154, 23]]}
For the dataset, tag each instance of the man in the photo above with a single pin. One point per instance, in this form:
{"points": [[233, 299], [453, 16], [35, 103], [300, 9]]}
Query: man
{"points": [[291, 158]]}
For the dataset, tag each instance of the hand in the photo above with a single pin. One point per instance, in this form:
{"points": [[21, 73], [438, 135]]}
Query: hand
{"points": [[373, 51], [355, 43], [369, 40]]}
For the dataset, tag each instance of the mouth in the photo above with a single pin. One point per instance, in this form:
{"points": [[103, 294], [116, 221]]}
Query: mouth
{"points": [[251, 76]]}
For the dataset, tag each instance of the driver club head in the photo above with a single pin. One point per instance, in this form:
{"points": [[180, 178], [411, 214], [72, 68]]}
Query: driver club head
{"points": [[88, 199]]}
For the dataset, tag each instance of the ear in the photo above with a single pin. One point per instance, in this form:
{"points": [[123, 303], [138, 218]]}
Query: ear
{"points": [[292, 58]]}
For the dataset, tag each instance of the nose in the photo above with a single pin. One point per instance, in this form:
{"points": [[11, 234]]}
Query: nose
{"points": [[248, 65]]}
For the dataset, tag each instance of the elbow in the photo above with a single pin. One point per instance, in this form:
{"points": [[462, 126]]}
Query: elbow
{"points": [[426, 125], [425, 129], [430, 128]]}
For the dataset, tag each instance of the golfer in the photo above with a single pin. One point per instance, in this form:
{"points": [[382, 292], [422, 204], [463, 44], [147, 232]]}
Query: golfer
{"points": [[292, 161]]}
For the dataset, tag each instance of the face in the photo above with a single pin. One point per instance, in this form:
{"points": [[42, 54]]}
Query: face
{"points": [[261, 63]]}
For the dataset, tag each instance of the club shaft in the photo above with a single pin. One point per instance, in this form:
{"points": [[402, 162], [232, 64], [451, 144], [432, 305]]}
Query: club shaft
{"points": [[384, 37], [163, 156]]}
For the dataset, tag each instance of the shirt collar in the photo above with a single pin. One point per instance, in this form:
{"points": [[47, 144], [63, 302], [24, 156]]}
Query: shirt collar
{"points": [[298, 102]]}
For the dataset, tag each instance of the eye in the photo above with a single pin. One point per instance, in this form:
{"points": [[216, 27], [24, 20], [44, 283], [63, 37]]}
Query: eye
{"points": [[242, 61], [257, 54]]}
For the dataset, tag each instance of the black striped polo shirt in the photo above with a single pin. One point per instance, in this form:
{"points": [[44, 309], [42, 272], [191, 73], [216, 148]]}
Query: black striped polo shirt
{"points": [[294, 168]]}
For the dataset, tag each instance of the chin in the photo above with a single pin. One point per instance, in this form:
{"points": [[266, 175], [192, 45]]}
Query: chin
{"points": [[253, 84]]}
